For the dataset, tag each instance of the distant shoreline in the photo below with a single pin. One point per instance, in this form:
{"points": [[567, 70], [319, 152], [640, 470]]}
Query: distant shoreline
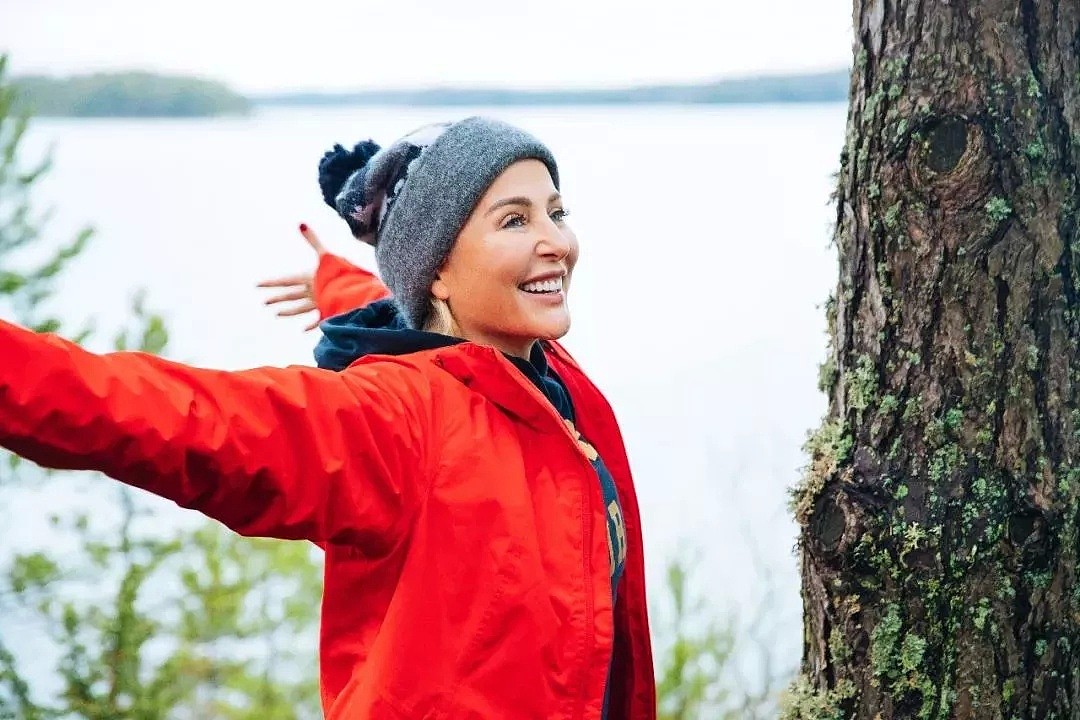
{"points": [[805, 88], [145, 95], [127, 95]]}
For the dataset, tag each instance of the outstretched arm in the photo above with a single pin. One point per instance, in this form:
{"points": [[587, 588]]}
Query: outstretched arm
{"points": [[282, 452], [337, 286], [341, 286]]}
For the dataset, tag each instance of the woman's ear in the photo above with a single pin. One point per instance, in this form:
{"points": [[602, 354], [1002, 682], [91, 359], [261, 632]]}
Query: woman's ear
{"points": [[439, 289]]}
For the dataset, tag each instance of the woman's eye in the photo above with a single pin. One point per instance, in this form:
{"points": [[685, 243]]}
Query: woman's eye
{"points": [[513, 221], [559, 215]]}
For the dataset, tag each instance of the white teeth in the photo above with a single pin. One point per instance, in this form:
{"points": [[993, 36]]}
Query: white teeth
{"points": [[544, 286]]}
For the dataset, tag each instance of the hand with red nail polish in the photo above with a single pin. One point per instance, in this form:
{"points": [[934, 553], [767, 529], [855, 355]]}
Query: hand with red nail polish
{"points": [[299, 288]]}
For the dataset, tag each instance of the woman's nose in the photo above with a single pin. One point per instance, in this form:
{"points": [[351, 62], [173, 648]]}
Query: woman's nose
{"points": [[553, 241]]}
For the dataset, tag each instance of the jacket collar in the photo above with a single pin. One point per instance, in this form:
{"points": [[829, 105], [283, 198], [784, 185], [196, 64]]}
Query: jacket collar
{"points": [[493, 375]]}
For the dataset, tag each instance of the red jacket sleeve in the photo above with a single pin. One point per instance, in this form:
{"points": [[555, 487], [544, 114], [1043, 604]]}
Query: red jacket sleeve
{"points": [[282, 452], [340, 286]]}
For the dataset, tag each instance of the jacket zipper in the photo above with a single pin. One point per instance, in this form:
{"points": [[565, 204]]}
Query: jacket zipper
{"points": [[587, 531], [586, 527]]}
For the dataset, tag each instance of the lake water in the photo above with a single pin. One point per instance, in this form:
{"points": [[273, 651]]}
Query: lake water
{"points": [[696, 303]]}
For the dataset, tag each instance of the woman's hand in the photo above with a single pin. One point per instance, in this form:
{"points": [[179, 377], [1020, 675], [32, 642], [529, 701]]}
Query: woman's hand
{"points": [[298, 289]]}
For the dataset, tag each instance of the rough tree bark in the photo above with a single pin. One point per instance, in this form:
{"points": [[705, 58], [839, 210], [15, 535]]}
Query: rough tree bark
{"points": [[940, 513]]}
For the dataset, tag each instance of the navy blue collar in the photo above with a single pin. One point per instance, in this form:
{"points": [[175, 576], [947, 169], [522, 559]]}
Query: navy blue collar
{"points": [[537, 370], [380, 329]]}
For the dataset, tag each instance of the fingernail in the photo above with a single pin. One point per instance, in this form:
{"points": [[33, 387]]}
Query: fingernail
{"points": [[303, 227]]}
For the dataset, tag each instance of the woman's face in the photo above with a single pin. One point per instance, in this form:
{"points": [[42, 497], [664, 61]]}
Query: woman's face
{"points": [[508, 274]]}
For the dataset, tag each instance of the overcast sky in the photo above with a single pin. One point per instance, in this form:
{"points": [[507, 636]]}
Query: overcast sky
{"points": [[339, 44]]}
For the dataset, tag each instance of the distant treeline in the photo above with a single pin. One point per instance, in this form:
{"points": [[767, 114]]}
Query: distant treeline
{"points": [[139, 94], [818, 87], [134, 94]]}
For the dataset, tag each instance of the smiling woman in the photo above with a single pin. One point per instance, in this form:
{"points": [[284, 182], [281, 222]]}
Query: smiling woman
{"points": [[467, 481], [506, 279]]}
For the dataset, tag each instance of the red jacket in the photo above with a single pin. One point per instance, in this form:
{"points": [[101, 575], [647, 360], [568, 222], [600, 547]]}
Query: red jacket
{"points": [[341, 286], [466, 559]]}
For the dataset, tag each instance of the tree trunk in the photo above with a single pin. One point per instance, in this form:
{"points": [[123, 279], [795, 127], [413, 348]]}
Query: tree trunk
{"points": [[941, 508]]}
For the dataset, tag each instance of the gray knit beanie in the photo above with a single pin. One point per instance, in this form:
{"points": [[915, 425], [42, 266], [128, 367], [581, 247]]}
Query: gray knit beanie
{"points": [[411, 199]]}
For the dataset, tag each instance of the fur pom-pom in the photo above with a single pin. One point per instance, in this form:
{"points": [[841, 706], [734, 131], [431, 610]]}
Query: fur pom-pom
{"points": [[338, 165]]}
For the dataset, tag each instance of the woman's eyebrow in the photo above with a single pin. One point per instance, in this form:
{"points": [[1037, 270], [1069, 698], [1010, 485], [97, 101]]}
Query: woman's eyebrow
{"points": [[517, 200]]}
